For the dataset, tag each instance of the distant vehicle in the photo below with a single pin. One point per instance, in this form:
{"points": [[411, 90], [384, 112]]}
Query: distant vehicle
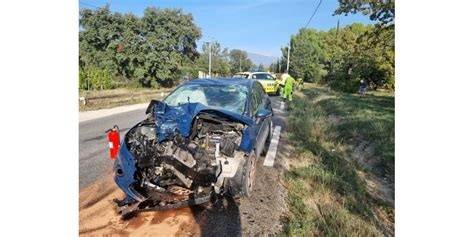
{"points": [[268, 81], [201, 141]]}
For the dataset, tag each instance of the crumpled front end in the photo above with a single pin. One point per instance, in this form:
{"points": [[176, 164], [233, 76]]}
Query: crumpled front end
{"points": [[182, 155], [124, 169]]}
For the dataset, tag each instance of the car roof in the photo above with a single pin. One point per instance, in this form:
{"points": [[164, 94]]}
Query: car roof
{"points": [[222, 81]]}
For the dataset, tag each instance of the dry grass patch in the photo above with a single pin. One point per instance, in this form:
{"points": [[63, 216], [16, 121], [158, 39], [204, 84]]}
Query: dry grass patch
{"points": [[104, 99]]}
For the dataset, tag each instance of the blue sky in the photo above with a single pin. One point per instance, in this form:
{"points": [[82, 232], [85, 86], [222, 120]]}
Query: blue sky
{"points": [[257, 26]]}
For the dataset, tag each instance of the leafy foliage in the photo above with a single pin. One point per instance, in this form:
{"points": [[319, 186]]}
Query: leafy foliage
{"points": [[95, 79], [219, 58], [307, 55], [344, 57], [277, 66], [146, 51], [239, 61], [382, 11]]}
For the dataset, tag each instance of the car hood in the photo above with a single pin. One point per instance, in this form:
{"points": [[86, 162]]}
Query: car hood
{"points": [[172, 119]]}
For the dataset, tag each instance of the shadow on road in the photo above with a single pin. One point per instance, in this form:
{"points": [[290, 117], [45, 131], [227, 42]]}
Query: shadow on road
{"points": [[221, 218]]}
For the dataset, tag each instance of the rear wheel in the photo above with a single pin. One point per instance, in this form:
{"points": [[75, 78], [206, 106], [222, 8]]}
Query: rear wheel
{"points": [[249, 175], [268, 140]]}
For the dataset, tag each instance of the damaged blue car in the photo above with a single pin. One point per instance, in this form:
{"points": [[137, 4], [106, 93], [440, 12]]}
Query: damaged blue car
{"points": [[202, 141]]}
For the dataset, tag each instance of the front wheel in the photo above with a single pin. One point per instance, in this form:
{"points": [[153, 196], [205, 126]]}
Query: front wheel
{"points": [[249, 175]]}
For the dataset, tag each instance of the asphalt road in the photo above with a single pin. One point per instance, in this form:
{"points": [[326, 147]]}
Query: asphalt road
{"points": [[94, 159]]}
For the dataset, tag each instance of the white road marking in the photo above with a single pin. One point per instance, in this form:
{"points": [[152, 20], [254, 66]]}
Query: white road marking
{"points": [[270, 158], [278, 111], [282, 105]]}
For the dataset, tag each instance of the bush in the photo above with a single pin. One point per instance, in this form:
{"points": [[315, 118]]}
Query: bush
{"points": [[192, 72], [95, 79]]}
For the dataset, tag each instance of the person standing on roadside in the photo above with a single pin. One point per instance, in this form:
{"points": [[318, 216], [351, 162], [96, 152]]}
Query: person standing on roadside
{"points": [[283, 77], [288, 89]]}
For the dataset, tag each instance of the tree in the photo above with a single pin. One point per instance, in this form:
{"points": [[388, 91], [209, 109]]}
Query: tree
{"points": [[343, 57], [276, 67], [382, 11], [376, 45], [307, 56], [148, 50], [239, 61], [219, 58], [101, 31]]}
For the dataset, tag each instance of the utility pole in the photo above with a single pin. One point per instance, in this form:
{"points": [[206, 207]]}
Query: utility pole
{"points": [[240, 61], [288, 59], [210, 55]]}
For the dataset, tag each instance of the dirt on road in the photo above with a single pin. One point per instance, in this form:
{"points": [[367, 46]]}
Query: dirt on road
{"points": [[261, 214]]}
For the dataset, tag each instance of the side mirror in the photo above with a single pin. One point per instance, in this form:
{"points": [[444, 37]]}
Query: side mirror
{"points": [[263, 113], [151, 106]]}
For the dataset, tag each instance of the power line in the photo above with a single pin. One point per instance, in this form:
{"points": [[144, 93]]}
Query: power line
{"points": [[315, 10], [87, 4], [289, 44]]}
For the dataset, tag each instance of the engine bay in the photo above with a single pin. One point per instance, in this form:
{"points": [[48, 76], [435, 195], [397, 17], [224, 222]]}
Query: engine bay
{"points": [[178, 168]]}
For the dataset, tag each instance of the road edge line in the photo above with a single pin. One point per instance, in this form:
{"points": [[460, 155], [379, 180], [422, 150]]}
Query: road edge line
{"points": [[270, 157]]}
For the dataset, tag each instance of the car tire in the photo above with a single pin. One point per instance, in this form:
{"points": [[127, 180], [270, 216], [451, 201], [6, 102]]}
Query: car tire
{"points": [[268, 140], [249, 175]]}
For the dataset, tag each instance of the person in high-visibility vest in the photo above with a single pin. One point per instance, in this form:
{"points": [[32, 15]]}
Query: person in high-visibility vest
{"points": [[288, 90]]}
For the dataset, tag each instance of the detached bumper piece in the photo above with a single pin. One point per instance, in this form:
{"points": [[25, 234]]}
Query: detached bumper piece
{"points": [[127, 208]]}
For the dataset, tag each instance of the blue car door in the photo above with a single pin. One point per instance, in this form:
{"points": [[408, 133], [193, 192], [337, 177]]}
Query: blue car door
{"points": [[260, 100]]}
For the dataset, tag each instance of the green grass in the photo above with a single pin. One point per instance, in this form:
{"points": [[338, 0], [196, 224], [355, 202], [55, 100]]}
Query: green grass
{"points": [[328, 192]]}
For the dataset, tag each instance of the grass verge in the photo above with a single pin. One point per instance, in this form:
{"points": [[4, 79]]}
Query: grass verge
{"points": [[341, 180], [104, 99]]}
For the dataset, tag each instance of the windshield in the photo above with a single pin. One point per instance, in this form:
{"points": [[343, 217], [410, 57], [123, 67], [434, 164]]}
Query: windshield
{"points": [[228, 97], [240, 75], [262, 76]]}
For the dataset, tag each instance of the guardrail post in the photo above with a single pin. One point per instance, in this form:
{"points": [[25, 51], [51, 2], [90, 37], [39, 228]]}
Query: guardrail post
{"points": [[83, 100]]}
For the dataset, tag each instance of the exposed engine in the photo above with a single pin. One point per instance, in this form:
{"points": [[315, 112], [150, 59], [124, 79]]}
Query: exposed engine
{"points": [[179, 168]]}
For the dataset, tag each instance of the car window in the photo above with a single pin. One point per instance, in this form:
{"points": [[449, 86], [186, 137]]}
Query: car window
{"points": [[262, 76], [262, 92], [228, 97], [256, 97], [240, 75]]}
